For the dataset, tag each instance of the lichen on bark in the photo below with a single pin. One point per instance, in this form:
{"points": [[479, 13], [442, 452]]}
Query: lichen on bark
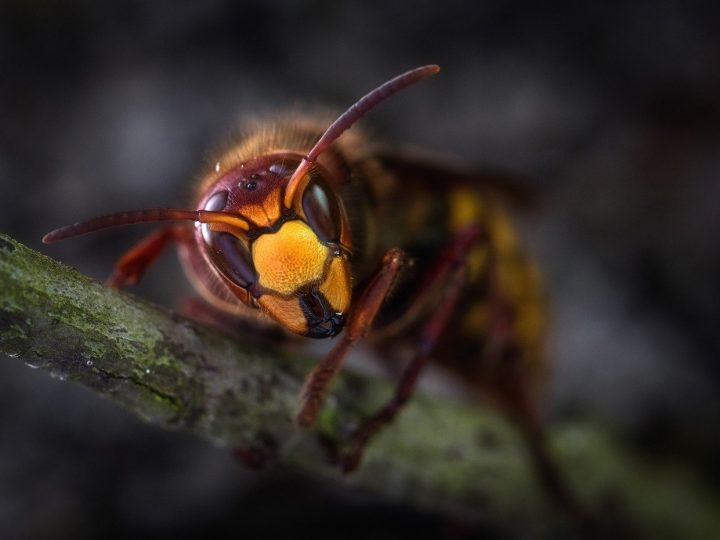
{"points": [[241, 392]]}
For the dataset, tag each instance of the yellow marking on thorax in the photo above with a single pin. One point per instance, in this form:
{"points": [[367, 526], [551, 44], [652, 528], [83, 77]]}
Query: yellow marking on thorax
{"points": [[289, 258]]}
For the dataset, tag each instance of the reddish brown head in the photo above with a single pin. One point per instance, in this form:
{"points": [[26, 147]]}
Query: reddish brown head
{"points": [[273, 230], [292, 262]]}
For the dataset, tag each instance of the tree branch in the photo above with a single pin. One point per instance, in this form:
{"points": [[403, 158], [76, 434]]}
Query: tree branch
{"points": [[178, 374]]}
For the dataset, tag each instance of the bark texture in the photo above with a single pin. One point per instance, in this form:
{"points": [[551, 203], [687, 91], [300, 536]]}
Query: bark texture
{"points": [[242, 392]]}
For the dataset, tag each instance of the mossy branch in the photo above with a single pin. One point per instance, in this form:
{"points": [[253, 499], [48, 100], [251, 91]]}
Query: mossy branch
{"points": [[178, 374]]}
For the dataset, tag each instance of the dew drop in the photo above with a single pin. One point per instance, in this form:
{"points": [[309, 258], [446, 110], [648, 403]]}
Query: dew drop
{"points": [[89, 363], [147, 371], [28, 364]]}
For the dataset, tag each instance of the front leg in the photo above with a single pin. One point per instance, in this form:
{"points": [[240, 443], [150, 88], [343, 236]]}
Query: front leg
{"points": [[359, 324], [132, 265], [452, 272]]}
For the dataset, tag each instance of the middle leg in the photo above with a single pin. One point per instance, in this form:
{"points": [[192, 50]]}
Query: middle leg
{"points": [[429, 336], [450, 274]]}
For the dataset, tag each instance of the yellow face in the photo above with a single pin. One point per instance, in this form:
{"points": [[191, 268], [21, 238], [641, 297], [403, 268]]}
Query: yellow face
{"points": [[290, 262], [304, 284]]}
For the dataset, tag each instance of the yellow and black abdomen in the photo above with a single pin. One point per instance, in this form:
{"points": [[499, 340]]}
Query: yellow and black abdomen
{"points": [[501, 312], [502, 316]]}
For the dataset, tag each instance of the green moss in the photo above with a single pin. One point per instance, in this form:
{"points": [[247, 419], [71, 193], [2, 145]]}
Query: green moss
{"points": [[666, 499], [437, 454]]}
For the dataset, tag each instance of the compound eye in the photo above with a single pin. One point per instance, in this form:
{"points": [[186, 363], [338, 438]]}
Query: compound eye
{"points": [[216, 203], [321, 210], [232, 258]]}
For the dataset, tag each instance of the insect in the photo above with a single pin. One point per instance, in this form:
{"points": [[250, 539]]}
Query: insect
{"points": [[323, 233]]}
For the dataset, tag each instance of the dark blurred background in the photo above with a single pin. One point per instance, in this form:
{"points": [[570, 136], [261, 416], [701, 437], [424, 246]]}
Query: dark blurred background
{"points": [[610, 112]]}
